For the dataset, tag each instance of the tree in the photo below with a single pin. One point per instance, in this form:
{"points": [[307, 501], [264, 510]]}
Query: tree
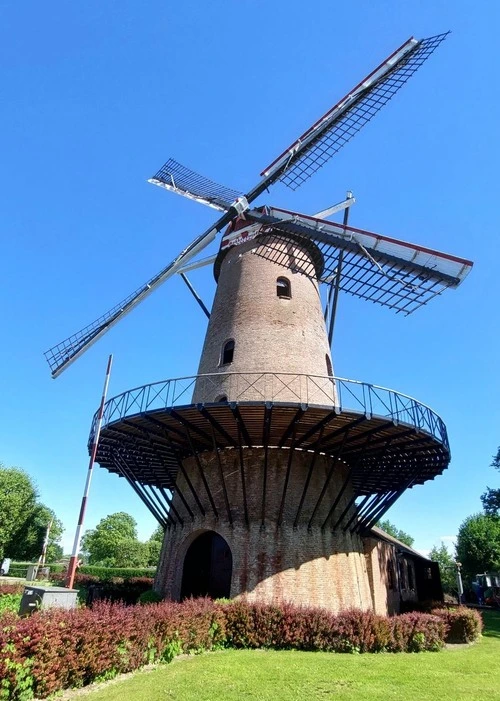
{"points": [[491, 497], [154, 543], [24, 519], [391, 529], [478, 544], [114, 543], [28, 542], [17, 500], [447, 568]]}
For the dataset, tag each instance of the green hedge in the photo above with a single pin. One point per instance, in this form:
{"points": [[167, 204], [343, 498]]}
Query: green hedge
{"points": [[107, 573], [20, 569]]}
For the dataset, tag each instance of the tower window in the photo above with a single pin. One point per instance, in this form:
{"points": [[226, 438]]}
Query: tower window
{"points": [[329, 368], [227, 353], [283, 288]]}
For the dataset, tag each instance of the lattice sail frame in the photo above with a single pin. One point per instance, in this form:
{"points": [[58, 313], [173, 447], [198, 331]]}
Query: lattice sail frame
{"points": [[183, 181], [336, 128], [390, 272], [317, 145]]}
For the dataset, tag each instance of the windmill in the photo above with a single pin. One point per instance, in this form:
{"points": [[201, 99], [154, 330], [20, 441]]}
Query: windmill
{"points": [[265, 462]]}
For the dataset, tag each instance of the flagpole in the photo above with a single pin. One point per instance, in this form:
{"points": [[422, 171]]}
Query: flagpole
{"points": [[70, 575]]}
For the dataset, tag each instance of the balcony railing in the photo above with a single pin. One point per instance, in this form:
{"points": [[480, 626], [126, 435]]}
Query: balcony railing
{"points": [[349, 396]]}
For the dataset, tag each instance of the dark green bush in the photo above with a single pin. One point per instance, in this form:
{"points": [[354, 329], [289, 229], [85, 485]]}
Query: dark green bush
{"points": [[149, 597], [92, 588]]}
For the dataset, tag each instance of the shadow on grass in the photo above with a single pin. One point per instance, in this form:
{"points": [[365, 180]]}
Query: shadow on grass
{"points": [[491, 624]]}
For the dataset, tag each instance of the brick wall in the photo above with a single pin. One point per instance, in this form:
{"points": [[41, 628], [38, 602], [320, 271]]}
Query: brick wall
{"points": [[271, 334], [270, 562], [383, 575]]}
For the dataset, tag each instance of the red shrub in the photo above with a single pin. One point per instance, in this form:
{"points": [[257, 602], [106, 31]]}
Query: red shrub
{"points": [[16, 588], [414, 632], [463, 625], [57, 649]]}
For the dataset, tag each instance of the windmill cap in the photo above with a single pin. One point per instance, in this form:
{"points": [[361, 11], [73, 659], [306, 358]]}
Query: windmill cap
{"points": [[244, 230]]}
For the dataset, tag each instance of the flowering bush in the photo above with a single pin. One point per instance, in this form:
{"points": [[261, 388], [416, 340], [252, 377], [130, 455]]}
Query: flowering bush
{"points": [[58, 649]]}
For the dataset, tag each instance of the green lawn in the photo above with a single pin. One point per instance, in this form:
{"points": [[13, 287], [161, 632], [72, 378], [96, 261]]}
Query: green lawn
{"points": [[256, 675]]}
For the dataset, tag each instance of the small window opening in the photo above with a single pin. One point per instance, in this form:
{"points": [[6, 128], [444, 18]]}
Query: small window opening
{"points": [[283, 288], [411, 576], [403, 575], [391, 575], [222, 398], [227, 353], [329, 368]]}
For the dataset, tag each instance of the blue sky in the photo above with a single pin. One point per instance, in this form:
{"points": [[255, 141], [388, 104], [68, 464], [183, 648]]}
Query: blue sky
{"points": [[96, 96]]}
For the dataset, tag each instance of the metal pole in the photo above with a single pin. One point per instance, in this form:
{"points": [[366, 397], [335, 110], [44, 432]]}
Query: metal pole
{"points": [[70, 575], [460, 585], [195, 295], [332, 304], [41, 560]]}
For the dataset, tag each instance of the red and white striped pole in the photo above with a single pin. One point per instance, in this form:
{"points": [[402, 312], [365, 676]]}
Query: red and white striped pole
{"points": [[70, 576]]}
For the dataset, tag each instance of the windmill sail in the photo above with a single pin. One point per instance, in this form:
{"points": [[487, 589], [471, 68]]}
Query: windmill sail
{"points": [[66, 352], [343, 121], [177, 178], [390, 272], [300, 161]]}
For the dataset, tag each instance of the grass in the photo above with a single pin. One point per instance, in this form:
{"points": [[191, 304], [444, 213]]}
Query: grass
{"points": [[256, 675]]}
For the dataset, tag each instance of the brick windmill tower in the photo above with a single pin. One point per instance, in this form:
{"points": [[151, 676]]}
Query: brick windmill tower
{"points": [[267, 472]]}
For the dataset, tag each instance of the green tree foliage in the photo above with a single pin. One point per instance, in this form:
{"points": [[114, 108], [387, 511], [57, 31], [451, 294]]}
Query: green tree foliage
{"points": [[114, 543], [30, 537], [491, 497], [154, 544], [23, 519], [391, 529], [447, 568], [478, 544]]}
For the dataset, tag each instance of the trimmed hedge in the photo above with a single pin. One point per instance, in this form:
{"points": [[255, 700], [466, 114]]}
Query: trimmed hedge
{"points": [[20, 569], [57, 649], [108, 573]]}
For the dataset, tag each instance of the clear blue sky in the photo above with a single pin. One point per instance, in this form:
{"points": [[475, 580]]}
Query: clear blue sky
{"points": [[96, 96]]}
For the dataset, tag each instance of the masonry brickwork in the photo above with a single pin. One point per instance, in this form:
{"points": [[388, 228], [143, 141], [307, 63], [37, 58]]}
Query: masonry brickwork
{"points": [[272, 562], [272, 334], [273, 507]]}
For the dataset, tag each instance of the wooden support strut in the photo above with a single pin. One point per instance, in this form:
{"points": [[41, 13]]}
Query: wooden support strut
{"points": [[335, 460], [265, 437], [121, 468], [344, 486], [308, 479], [194, 453], [221, 475], [242, 474], [179, 464]]}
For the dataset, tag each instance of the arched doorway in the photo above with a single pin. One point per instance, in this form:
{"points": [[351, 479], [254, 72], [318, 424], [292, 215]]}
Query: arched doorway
{"points": [[208, 566]]}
